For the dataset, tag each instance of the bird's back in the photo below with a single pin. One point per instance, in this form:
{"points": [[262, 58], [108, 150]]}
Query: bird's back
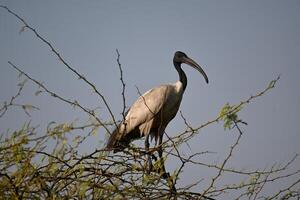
{"points": [[150, 114]]}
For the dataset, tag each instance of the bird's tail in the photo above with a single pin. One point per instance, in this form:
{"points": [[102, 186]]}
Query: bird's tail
{"points": [[112, 139], [115, 141], [120, 138]]}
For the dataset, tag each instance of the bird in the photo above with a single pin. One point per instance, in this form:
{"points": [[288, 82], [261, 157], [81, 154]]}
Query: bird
{"points": [[151, 112]]}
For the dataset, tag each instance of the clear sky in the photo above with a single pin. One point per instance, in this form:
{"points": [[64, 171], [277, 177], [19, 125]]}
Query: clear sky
{"points": [[241, 45]]}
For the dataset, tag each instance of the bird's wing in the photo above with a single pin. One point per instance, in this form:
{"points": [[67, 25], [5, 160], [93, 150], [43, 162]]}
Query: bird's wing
{"points": [[145, 107]]}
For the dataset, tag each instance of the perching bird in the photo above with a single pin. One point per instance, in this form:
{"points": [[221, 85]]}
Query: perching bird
{"points": [[152, 112]]}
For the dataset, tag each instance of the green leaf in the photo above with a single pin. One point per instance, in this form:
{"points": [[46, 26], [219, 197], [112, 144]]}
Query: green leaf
{"points": [[95, 130], [82, 188], [20, 74], [224, 110], [22, 29], [28, 107], [272, 84], [228, 114], [53, 168], [21, 84], [38, 92], [43, 158]]}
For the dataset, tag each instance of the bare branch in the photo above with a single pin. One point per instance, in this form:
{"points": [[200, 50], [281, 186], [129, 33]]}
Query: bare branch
{"points": [[72, 103], [80, 76], [123, 84]]}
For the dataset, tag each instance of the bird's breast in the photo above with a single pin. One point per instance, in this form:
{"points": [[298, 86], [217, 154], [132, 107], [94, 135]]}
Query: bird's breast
{"points": [[173, 101], [178, 86]]}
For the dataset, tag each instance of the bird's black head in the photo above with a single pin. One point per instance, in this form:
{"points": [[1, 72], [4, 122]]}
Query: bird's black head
{"points": [[180, 57]]}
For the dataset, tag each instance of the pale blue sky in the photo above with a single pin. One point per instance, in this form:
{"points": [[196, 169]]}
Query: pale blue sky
{"points": [[241, 45]]}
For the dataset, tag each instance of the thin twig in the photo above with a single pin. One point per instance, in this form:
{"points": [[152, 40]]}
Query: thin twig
{"points": [[80, 76], [123, 84], [72, 103], [213, 180]]}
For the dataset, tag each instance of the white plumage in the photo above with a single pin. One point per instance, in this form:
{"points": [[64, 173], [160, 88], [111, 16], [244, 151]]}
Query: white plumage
{"points": [[151, 112]]}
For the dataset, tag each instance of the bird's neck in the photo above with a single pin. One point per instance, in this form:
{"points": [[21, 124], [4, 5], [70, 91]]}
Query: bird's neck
{"points": [[182, 76]]}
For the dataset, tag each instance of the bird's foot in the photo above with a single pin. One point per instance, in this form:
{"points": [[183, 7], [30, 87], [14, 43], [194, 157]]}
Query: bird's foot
{"points": [[149, 166]]}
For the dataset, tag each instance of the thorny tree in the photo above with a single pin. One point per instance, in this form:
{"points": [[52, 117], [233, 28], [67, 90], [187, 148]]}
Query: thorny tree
{"points": [[31, 169]]}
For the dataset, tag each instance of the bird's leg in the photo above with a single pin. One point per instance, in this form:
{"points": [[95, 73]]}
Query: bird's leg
{"points": [[163, 172], [160, 154], [147, 144]]}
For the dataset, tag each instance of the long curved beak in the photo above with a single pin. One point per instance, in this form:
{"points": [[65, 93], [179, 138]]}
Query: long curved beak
{"points": [[193, 64]]}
